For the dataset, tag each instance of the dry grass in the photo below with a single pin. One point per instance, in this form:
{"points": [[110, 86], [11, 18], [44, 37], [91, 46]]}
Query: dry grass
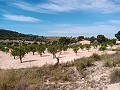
{"points": [[115, 76], [23, 79], [111, 60]]}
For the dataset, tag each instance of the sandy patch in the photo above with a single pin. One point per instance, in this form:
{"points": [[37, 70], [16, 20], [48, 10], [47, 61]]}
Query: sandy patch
{"points": [[7, 61]]}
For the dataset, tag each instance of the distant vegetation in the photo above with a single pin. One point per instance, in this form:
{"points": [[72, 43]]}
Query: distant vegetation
{"points": [[12, 35]]}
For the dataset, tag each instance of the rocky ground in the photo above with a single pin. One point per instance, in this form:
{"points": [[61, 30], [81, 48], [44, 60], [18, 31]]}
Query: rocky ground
{"points": [[97, 78]]}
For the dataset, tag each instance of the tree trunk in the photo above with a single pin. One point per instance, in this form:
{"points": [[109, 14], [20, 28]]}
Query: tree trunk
{"points": [[41, 54], [14, 57], [33, 53], [57, 60], [54, 56], [60, 52], [76, 54], [20, 59]]}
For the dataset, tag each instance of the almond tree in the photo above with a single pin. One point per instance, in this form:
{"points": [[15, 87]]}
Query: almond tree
{"points": [[40, 49], [33, 48], [75, 49], [19, 51], [53, 49]]}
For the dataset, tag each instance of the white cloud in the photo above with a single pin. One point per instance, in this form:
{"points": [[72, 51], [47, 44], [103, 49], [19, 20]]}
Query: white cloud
{"points": [[87, 30], [114, 21], [54, 6], [20, 18]]}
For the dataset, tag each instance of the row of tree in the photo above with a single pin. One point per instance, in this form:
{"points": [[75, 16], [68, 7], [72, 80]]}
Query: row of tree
{"points": [[53, 48], [12, 35]]}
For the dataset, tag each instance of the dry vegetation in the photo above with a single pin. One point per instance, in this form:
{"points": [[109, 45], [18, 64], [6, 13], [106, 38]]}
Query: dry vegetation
{"points": [[61, 77]]}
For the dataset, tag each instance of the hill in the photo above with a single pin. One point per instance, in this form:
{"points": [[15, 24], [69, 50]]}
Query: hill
{"points": [[13, 35]]}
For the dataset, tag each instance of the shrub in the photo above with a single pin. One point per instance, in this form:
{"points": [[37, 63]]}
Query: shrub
{"points": [[96, 57], [112, 63], [82, 63], [115, 76], [102, 48]]}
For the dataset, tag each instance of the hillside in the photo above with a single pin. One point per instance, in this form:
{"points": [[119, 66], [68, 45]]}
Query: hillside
{"points": [[12, 35]]}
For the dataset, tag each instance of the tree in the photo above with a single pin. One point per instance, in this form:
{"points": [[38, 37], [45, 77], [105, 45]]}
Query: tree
{"points": [[101, 38], [64, 40], [117, 35], [53, 49], [75, 49], [92, 39], [82, 47], [19, 51], [65, 48], [80, 38], [33, 48], [2, 49], [102, 48], [6, 49], [111, 44], [95, 44], [14, 53], [88, 46], [40, 49], [60, 47]]}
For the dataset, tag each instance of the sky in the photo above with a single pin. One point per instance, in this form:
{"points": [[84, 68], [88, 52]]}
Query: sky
{"points": [[61, 17]]}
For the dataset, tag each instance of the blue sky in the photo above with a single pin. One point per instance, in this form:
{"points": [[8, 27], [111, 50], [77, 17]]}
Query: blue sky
{"points": [[61, 17]]}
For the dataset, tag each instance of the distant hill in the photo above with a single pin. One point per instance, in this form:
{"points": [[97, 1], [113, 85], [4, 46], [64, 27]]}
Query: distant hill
{"points": [[12, 35]]}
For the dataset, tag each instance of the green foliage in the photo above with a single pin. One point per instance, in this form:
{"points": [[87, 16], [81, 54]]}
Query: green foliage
{"points": [[53, 49], [65, 48], [92, 39], [33, 48], [87, 46], [95, 44], [102, 48], [19, 51], [80, 38], [40, 49], [101, 38], [6, 49], [82, 47], [117, 35], [64, 40], [2, 48], [111, 44], [75, 49]]}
